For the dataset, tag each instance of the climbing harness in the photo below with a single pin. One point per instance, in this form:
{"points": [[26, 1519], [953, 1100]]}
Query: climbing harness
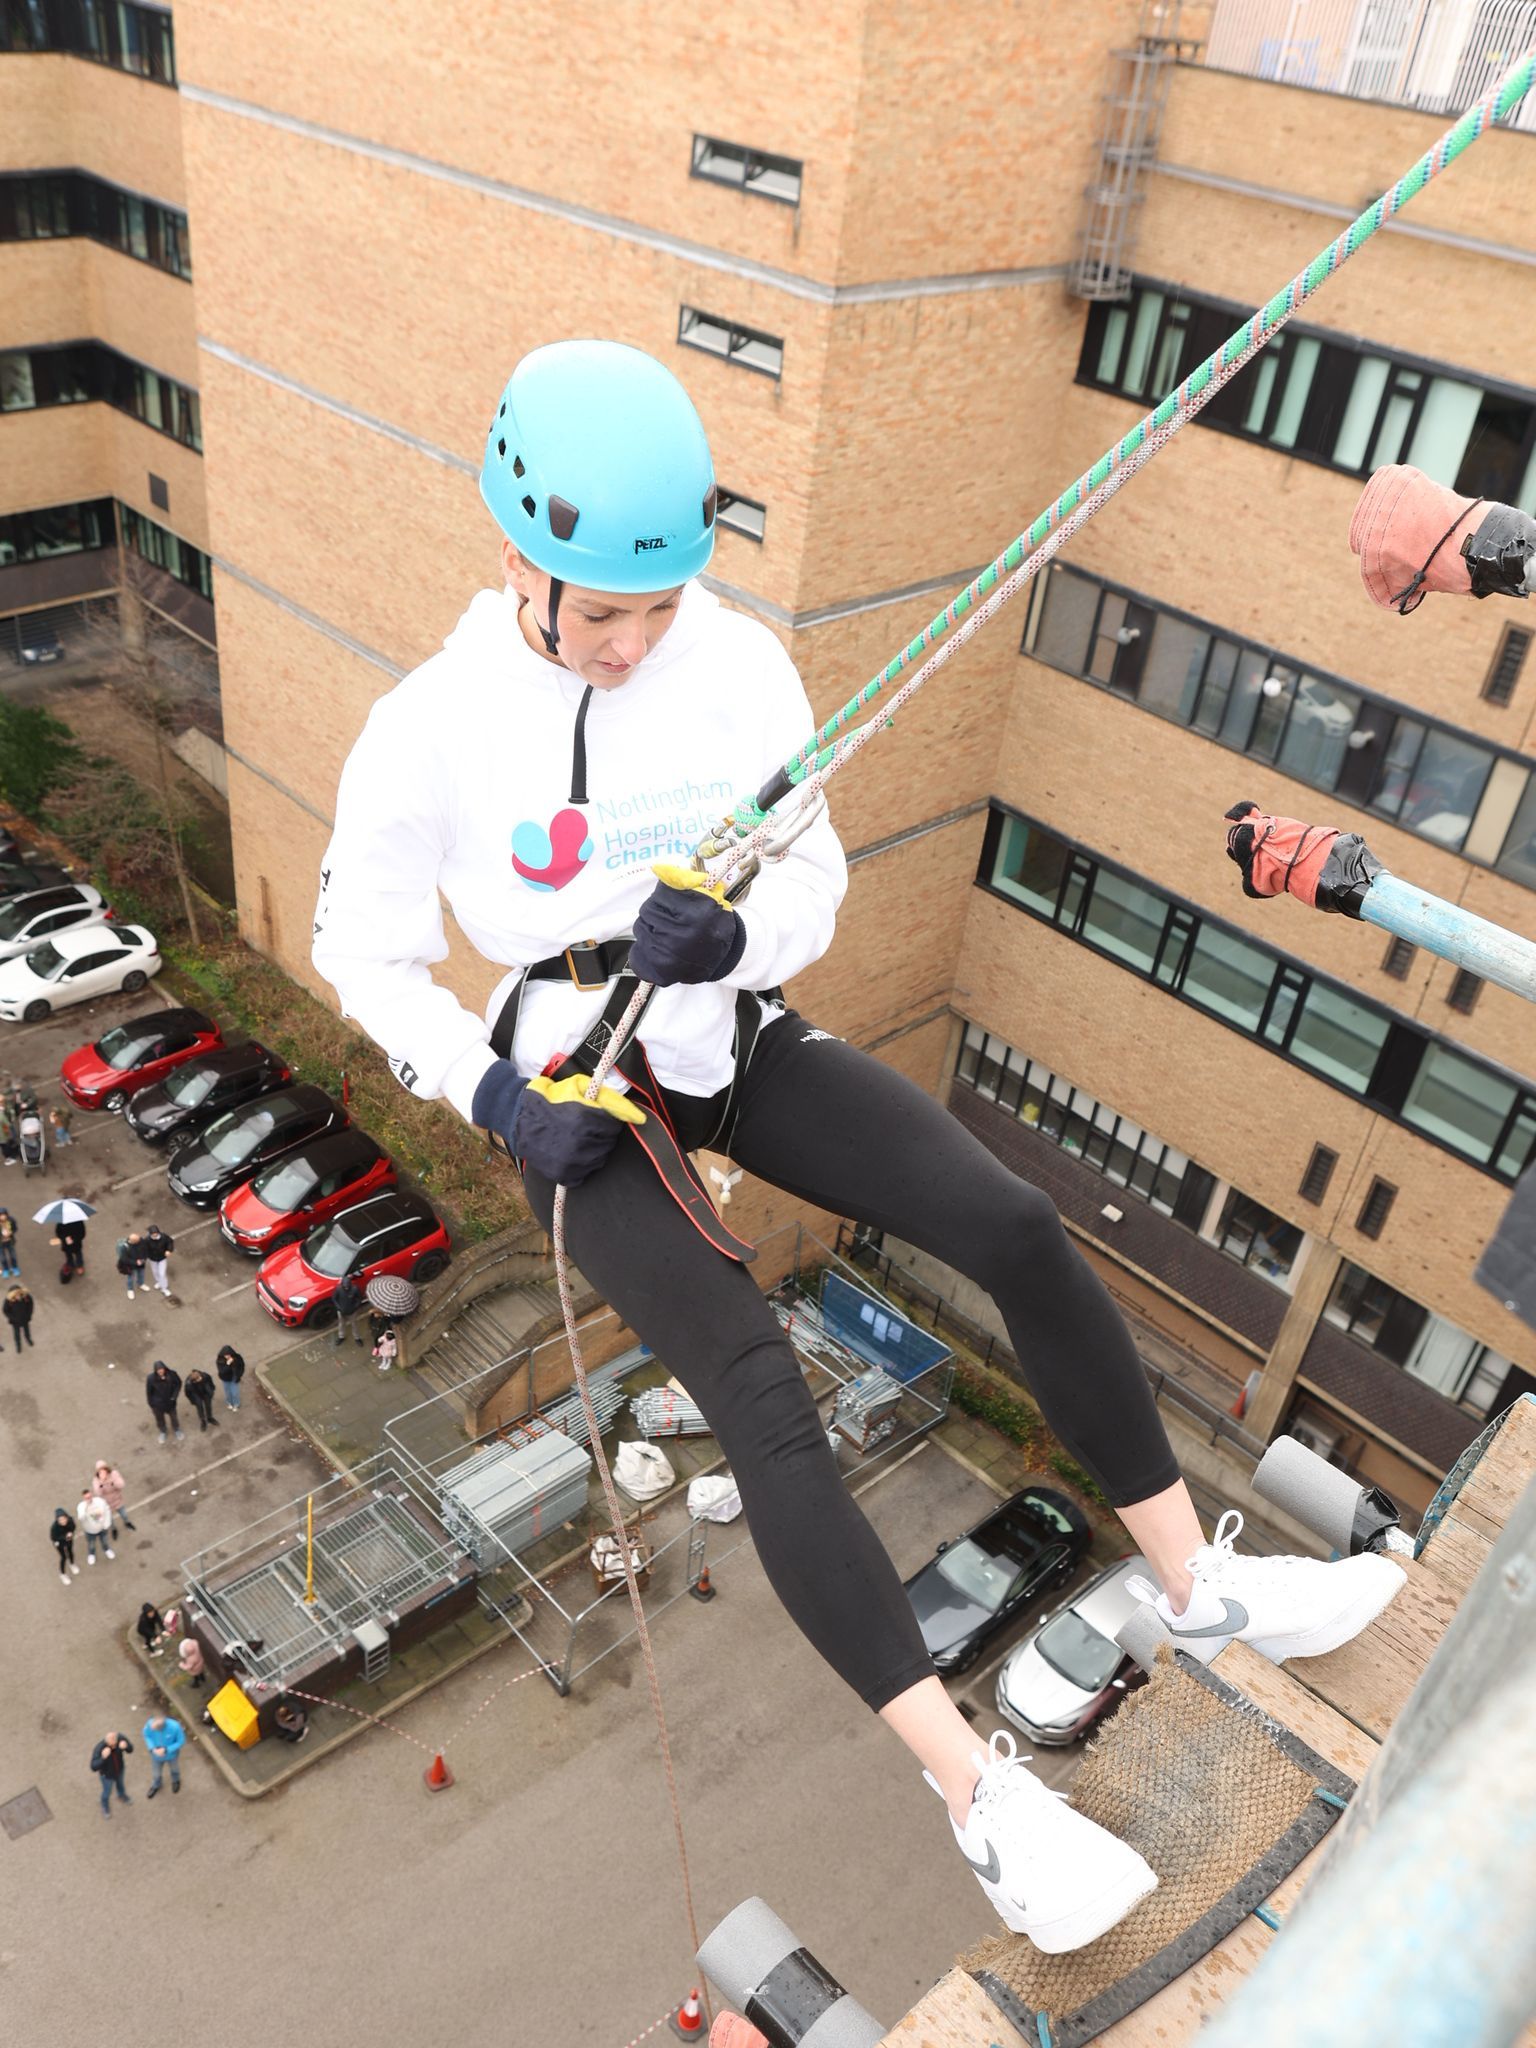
{"points": [[754, 831]]}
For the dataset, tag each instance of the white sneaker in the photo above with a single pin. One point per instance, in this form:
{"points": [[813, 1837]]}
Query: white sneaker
{"points": [[111, 1553], [63, 1578], [130, 1294], [75, 1569], [1282, 1606], [90, 1557], [1051, 1873]]}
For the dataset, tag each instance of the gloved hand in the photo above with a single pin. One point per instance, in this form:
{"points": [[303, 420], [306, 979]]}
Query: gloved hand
{"points": [[685, 930], [548, 1125]]}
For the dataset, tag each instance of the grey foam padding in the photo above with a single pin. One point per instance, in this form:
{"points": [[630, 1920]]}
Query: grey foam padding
{"points": [[747, 1946], [741, 1951], [1142, 1636], [1309, 1488]]}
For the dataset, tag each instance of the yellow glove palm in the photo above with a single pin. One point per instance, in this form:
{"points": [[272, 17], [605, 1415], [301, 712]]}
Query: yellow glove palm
{"points": [[574, 1089]]}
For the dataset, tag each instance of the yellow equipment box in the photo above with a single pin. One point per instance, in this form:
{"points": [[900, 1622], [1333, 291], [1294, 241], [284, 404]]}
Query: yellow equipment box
{"points": [[234, 1716]]}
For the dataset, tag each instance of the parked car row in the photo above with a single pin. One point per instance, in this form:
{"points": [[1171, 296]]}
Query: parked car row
{"points": [[1069, 1671], [60, 942], [298, 1187]]}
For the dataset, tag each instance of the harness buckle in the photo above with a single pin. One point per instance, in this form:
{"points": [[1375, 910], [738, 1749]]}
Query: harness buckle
{"points": [[587, 954]]}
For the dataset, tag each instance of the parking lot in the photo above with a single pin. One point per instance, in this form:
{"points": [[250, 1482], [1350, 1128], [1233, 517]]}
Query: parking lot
{"points": [[542, 1887]]}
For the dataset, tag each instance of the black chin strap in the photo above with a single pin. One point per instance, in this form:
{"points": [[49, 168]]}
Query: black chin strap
{"points": [[579, 750], [551, 632]]}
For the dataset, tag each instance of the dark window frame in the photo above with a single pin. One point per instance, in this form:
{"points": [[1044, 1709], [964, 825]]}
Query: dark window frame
{"points": [[726, 502], [1397, 961], [1332, 344], [1464, 991], [1376, 1208], [1373, 704], [1319, 1172], [1503, 675], [1405, 1042], [738, 337], [93, 30], [120, 381], [201, 564], [19, 534], [752, 161]]}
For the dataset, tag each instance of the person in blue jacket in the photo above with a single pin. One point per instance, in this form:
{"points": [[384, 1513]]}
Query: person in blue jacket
{"points": [[164, 1739]]}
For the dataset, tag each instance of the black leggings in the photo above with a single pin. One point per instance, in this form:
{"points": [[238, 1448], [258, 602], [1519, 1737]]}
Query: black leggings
{"points": [[838, 1128], [65, 1546]]}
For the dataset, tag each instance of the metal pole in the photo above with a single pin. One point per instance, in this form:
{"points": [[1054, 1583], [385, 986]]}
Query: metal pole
{"points": [[309, 1550], [1417, 1927], [1484, 949]]}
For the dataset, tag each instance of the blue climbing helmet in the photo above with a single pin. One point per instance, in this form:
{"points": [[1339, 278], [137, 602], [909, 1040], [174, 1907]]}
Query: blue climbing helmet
{"points": [[598, 469]]}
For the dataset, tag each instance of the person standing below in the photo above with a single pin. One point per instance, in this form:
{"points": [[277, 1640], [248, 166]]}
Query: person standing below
{"points": [[158, 1248], [18, 1313], [132, 1258], [190, 1658], [387, 1349], [59, 1122], [350, 1302], [162, 1388], [109, 1757], [199, 1392], [10, 1261], [71, 1238], [61, 1534], [165, 1739], [290, 1721], [151, 1627], [107, 1484], [230, 1367], [95, 1519]]}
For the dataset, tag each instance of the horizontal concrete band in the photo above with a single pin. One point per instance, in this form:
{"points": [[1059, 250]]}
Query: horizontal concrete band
{"points": [[394, 671], [621, 230], [1468, 245], [762, 607]]}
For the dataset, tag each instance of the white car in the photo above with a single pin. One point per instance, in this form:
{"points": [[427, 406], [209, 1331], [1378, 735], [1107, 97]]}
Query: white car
{"points": [[25, 921], [72, 967]]}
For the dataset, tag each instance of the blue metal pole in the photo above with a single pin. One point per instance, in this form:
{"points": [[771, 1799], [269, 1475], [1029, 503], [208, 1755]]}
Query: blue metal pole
{"points": [[1485, 949]]}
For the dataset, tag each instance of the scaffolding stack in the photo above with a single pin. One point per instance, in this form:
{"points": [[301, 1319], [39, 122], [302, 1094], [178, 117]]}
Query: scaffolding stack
{"points": [[505, 1496], [663, 1411]]}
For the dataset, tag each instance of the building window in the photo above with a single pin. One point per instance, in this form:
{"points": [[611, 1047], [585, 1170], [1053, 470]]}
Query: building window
{"points": [[114, 32], [59, 530], [1376, 1208], [741, 515], [1331, 401], [1463, 1103], [744, 345], [1499, 685], [1075, 1121], [1424, 1345], [1314, 1182], [751, 170], [1464, 991], [1256, 1237], [168, 551], [81, 371], [1399, 957], [1446, 786]]}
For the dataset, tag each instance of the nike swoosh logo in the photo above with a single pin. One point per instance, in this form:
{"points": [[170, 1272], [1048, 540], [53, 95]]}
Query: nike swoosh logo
{"points": [[1234, 1619], [990, 1871]]}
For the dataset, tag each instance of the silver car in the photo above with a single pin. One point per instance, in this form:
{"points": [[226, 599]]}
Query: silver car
{"points": [[1070, 1671]]}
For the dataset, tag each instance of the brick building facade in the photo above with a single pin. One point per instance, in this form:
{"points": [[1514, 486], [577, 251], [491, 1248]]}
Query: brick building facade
{"points": [[851, 239]]}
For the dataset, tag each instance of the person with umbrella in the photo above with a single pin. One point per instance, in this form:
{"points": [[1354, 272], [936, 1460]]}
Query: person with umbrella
{"points": [[68, 1216]]}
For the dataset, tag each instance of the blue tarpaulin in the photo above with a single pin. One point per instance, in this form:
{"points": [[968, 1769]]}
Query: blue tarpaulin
{"points": [[873, 1330]]}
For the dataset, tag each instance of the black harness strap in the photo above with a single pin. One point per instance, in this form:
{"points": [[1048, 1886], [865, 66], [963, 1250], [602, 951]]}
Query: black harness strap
{"points": [[656, 1137]]}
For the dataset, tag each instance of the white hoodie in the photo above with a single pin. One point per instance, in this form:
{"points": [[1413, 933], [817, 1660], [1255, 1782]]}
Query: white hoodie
{"points": [[93, 1515], [461, 781]]}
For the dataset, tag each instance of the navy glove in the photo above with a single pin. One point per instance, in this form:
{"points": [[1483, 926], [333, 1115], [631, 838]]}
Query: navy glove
{"points": [[685, 930], [548, 1125]]}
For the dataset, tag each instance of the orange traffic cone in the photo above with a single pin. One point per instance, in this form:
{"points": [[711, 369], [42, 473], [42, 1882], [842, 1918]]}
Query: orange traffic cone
{"points": [[701, 1589], [437, 1775], [688, 2021], [732, 2031]]}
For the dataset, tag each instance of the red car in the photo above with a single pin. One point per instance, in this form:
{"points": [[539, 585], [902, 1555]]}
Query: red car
{"points": [[287, 1199], [133, 1055], [389, 1233]]}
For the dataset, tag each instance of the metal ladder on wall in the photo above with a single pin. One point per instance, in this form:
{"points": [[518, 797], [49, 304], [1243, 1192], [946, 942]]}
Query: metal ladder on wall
{"points": [[1133, 114]]}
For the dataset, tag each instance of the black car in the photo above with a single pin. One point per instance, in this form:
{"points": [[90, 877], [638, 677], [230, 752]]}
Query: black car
{"points": [[206, 1164], [16, 876], [972, 1589], [197, 1092]]}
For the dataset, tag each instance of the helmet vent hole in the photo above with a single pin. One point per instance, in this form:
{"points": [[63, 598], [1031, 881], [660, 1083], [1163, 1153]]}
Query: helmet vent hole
{"points": [[501, 449], [710, 497], [529, 507], [562, 517], [501, 410], [517, 465]]}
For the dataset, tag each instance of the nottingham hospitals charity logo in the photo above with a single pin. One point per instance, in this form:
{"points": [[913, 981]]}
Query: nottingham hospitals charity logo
{"points": [[549, 858]]}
